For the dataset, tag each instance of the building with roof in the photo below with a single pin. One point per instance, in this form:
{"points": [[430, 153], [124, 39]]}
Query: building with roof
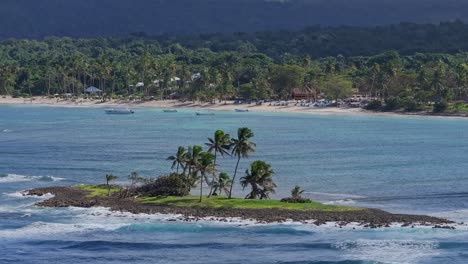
{"points": [[92, 90]]}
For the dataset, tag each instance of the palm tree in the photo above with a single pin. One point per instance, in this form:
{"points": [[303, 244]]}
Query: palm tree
{"points": [[178, 159], [221, 143], [191, 160], [259, 178], [242, 147], [222, 184], [438, 82], [296, 192], [109, 178], [205, 166]]}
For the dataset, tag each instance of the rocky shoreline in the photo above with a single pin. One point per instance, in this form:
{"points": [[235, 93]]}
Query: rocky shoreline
{"points": [[370, 218]]}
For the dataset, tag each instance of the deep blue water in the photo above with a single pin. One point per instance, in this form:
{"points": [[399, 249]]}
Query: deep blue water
{"points": [[400, 164]]}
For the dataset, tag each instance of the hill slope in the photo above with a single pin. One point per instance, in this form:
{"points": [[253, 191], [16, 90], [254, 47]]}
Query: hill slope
{"points": [[91, 18]]}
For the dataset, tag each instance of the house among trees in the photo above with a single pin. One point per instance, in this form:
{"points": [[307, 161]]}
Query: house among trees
{"points": [[358, 96], [92, 90], [305, 93]]}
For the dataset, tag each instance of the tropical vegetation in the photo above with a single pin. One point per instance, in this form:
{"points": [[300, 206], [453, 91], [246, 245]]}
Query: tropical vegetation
{"points": [[109, 178], [202, 166], [296, 196], [201, 169], [215, 201], [143, 68], [259, 178]]}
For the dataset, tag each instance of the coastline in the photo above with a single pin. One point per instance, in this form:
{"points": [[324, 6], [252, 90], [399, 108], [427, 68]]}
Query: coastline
{"points": [[228, 106], [364, 217]]}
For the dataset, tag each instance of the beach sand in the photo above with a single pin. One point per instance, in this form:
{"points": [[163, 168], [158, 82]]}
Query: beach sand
{"points": [[223, 106]]}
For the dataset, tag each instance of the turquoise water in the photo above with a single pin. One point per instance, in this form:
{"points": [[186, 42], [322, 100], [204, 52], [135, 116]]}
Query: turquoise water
{"points": [[400, 164]]}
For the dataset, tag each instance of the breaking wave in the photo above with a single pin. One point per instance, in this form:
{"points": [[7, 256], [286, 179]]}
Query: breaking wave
{"points": [[7, 178]]}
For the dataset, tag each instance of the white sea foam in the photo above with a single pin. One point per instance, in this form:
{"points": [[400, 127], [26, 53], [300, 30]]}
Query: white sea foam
{"points": [[16, 194], [389, 251], [334, 198], [18, 209], [458, 215], [341, 202], [8, 178], [23, 194], [336, 195], [7, 131], [83, 220], [50, 229]]}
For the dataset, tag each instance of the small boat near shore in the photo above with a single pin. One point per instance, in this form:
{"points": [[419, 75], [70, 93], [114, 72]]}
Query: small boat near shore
{"points": [[119, 111], [170, 111], [204, 114], [241, 110]]}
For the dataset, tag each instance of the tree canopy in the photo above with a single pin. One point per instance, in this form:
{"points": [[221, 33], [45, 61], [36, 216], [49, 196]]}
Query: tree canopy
{"points": [[165, 68]]}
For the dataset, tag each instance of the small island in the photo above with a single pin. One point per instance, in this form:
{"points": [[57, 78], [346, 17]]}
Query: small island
{"points": [[223, 209], [193, 167]]}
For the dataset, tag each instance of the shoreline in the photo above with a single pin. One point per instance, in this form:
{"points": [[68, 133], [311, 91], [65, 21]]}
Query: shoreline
{"points": [[366, 218], [228, 106]]}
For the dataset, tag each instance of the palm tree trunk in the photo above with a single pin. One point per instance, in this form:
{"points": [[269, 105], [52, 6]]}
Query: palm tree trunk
{"points": [[212, 181], [177, 168], [234, 177], [201, 187], [48, 85]]}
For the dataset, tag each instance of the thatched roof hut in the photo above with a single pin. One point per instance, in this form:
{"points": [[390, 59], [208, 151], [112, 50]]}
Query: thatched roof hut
{"points": [[305, 93]]}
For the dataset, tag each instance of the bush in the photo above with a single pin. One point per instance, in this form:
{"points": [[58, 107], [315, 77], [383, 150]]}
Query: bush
{"points": [[296, 196], [440, 107], [16, 94], [460, 107], [411, 105], [169, 185], [393, 103], [296, 200], [374, 105]]}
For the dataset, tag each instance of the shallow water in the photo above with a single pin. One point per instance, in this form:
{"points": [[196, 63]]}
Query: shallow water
{"points": [[400, 164]]}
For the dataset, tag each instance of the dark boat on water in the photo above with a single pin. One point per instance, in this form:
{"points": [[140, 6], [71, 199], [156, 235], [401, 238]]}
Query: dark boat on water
{"points": [[204, 114], [119, 111]]}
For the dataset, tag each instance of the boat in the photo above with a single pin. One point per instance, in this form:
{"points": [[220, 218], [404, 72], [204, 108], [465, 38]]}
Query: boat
{"points": [[170, 111], [119, 111], [241, 110], [204, 114]]}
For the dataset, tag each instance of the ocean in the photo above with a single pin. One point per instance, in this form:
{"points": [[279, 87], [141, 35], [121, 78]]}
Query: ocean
{"points": [[412, 165]]}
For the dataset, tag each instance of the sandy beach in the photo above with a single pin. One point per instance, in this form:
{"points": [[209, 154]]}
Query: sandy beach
{"points": [[223, 106]]}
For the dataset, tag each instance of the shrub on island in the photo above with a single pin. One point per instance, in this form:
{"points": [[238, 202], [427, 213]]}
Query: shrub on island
{"points": [[296, 196], [296, 200], [168, 185]]}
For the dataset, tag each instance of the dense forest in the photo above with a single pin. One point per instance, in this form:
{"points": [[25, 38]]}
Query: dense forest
{"points": [[317, 41], [248, 66], [105, 18]]}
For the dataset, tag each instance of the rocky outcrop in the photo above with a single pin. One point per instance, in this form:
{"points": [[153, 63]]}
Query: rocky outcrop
{"points": [[371, 218]]}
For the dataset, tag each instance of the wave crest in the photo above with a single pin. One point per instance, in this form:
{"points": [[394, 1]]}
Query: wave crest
{"points": [[8, 178]]}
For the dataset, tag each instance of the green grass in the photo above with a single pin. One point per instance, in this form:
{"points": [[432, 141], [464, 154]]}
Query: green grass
{"points": [[96, 190], [223, 202], [218, 201]]}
